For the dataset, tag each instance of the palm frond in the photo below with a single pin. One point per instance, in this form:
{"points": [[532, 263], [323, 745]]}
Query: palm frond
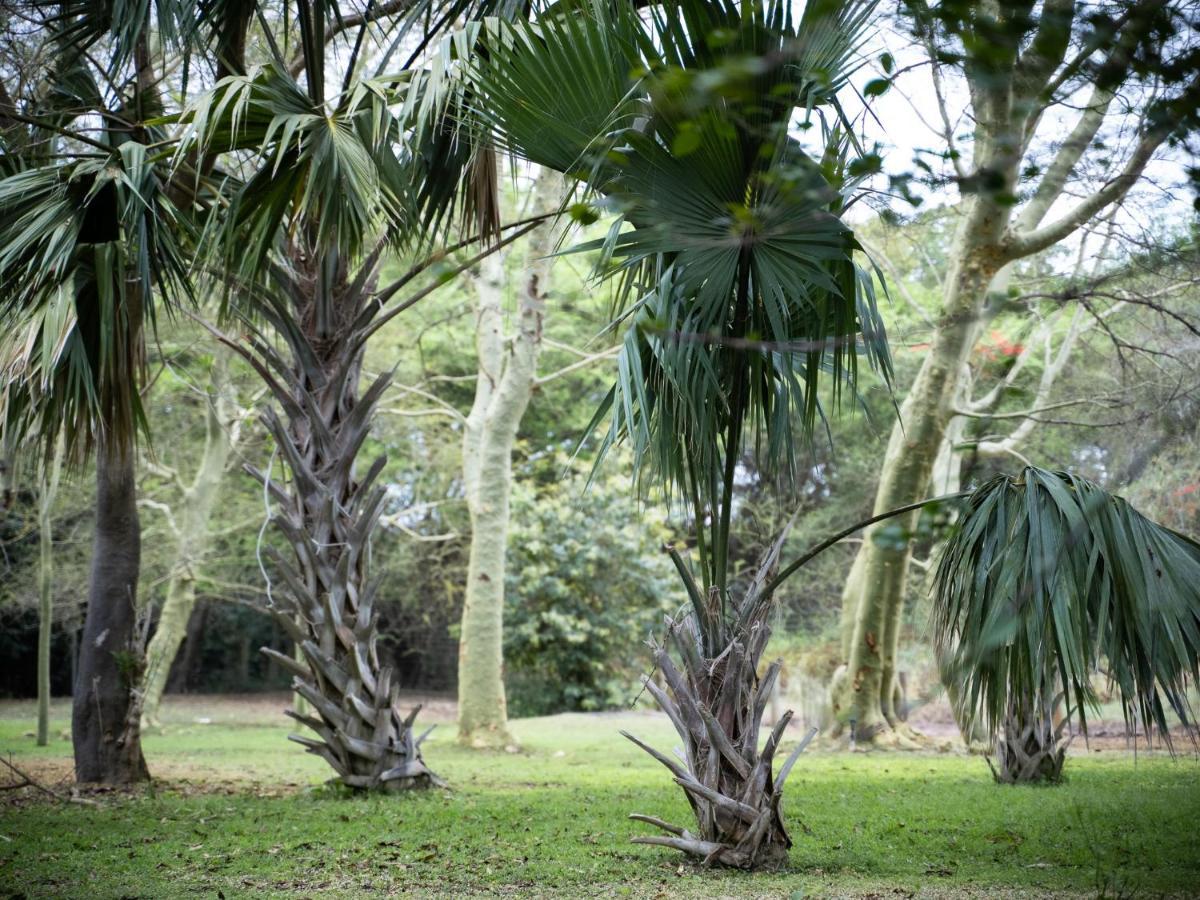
{"points": [[87, 252], [744, 286], [1050, 580]]}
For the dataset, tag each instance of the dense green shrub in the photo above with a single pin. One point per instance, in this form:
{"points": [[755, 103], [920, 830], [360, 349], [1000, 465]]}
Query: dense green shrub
{"points": [[586, 584]]}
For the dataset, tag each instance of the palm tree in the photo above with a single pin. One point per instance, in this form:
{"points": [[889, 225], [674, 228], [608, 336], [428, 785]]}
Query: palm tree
{"points": [[744, 291], [1047, 581], [92, 244], [324, 173]]}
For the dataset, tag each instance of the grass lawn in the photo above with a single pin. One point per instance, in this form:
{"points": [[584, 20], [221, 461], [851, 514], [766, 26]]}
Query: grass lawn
{"points": [[240, 812]]}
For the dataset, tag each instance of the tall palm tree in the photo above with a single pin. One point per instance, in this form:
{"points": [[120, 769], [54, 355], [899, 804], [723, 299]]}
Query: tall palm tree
{"points": [[324, 172], [743, 293], [92, 243], [1047, 581]]}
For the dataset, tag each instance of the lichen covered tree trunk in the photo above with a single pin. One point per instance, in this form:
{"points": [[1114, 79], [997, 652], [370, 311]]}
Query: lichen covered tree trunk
{"points": [[864, 692], [192, 539], [504, 384], [106, 715]]}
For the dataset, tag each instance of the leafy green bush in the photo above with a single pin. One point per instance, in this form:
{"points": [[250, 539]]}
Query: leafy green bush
{"points": [[586, 584]]}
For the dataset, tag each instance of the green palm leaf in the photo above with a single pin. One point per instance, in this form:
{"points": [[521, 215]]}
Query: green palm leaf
{"points": [[87, 250], [745, 289], [1049, 580]]}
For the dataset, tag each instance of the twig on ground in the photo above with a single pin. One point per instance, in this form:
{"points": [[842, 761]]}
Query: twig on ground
{"points": [[29, 781]]}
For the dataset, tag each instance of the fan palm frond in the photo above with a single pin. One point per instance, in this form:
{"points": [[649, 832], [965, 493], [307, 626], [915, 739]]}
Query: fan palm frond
{"points": [[745, 287], [87, 250], [1049, 580]]}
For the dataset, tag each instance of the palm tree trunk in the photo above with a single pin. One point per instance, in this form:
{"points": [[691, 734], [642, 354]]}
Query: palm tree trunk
{"points": [[326, 600], [105, 718], [1031, 751], [717, 706]]}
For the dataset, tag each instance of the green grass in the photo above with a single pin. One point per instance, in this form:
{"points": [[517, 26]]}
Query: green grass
{"points": [[239, 811]]}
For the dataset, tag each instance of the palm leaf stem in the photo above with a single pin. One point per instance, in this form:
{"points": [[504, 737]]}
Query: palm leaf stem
{"points": [[791, 568]]}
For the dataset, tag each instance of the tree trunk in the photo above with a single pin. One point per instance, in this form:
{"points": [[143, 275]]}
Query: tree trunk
{"points": [[49, 488], [1008, 91], [105, 719], [865, 691], [192, 540], [326, 599], [502, 391], [1031, 752]]}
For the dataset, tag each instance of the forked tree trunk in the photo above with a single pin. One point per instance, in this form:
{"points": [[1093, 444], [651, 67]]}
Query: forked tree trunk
{"points": [[1007, 104], [106, 714], [192, 539], [326, 600], [716, 706], [48, 491]]}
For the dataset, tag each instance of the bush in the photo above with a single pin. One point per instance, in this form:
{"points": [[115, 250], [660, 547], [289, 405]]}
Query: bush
{"points": [[586, 584]]}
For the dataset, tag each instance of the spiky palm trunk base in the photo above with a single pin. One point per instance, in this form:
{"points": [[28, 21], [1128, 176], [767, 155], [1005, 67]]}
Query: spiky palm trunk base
{"points": [[716, 705], [1030, 752], [326, 602]]}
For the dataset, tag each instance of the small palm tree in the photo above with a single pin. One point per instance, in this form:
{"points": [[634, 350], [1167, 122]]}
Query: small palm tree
{"points": [[1047, 581], [743, 291]]}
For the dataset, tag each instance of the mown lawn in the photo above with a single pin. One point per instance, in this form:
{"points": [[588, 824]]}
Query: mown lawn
{"points": [[240, 812]]}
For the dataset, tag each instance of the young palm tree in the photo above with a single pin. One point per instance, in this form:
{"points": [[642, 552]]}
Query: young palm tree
{"points": [[745, 290], [1048, 581], [92, 242], [324, 172]]}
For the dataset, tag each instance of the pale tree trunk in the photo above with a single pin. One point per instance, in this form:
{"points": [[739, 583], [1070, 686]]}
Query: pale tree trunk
{"points": [[865, 692], [49, 489], [505, 381], [1006, 106], [105, 719], [191, 529]]}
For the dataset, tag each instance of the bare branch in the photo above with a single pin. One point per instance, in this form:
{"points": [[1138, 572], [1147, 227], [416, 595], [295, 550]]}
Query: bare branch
{"points": [[1017, 246], [577, 365]]}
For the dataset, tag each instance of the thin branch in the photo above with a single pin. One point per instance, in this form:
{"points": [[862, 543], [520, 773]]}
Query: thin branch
{"points": [[394, 522], [429, 289], [1018, 246], [30, 781], [345, 23], [577, 365], [386, 294], [443, 406]]}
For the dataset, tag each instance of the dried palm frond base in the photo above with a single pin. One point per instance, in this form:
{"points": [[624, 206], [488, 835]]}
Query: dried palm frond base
{"points": [[716, 705], [1032, 753], [327, 511]]}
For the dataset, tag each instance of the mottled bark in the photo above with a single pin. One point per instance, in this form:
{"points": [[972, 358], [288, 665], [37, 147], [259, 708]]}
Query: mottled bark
{"points": [[504, 384], [866, 692], [105, 718], [191, 538]]}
